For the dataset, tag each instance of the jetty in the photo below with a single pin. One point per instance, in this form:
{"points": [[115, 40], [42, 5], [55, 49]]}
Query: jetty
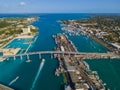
{"points": [[76, 72]]}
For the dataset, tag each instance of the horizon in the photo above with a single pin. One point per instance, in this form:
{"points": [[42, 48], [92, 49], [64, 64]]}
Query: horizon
{"points": [[55, 6], [61, 13]]}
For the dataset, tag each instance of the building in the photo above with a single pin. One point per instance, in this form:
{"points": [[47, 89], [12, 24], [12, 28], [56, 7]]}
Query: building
{"points": [[26, 30], [116, 45]]}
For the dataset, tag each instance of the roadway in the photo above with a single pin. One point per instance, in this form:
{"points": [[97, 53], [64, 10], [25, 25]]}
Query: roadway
{"points": [[78, 54]]}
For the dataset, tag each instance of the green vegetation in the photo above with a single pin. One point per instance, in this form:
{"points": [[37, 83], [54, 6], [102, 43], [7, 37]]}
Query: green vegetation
{"points": [[4, 24], [12, 27], [105, 23], [64, 78]]}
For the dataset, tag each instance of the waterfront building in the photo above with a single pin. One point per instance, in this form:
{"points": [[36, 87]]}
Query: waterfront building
{"points": [[116, 45], [26, 30], [10, 51]]}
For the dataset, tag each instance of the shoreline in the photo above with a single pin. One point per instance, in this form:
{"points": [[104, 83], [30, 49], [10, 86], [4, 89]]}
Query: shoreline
{"points": [[7, 43], [93, 37], [22, 37], [109, 47]]}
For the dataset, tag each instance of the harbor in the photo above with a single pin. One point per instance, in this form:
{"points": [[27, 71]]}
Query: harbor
{"points": [[108, 70], [76, 72]]}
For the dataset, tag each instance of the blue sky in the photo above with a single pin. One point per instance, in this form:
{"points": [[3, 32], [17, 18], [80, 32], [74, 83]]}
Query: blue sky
{"points": [[59, 6]]}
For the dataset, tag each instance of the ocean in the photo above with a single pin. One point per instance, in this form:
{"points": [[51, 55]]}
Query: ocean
{"points": [[37, 76]]}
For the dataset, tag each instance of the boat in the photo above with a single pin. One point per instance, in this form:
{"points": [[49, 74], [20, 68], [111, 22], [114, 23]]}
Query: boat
{"points": [[57, 73], [14, 80], [86, 65]]}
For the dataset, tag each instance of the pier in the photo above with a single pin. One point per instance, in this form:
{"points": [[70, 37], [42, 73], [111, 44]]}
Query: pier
{"points": [[76, 72]]}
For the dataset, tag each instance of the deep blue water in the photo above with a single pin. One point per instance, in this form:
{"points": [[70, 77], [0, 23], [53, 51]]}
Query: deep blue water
{"points": [[108, 71]]}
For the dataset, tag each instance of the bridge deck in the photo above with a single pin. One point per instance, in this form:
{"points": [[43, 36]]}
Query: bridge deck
{"points": [[66, 53]]}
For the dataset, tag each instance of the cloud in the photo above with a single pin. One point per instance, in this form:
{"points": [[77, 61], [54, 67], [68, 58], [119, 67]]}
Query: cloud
{"points": [[22, 4]]}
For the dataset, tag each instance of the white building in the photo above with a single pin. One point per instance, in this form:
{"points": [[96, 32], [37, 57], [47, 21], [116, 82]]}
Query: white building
{"points": [[26, 30], [116, 45]]}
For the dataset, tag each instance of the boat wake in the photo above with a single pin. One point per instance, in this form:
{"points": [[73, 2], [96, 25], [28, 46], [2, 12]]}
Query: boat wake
{"points": [[38, 73], [14, 80]]}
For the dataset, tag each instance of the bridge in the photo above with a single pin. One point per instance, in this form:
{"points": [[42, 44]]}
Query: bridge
{"points": [[82, 55]]}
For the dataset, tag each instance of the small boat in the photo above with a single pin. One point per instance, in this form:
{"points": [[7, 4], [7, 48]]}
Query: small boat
{"points": [[14, 80]]}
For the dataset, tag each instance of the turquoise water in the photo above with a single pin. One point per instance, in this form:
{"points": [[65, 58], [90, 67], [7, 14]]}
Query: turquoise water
{"points": [[21, 43], [108, 71]]}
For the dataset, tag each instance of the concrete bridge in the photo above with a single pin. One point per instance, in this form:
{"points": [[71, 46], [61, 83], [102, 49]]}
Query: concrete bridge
{"points": [[82, 55]]}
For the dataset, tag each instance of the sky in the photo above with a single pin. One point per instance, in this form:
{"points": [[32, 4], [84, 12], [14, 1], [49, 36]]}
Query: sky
{"points": [[59, 6]]}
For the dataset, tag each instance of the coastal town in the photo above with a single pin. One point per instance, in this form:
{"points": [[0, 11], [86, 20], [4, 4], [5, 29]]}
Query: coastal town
{"points": [[103, 29], [15, 28], [59, 44]]}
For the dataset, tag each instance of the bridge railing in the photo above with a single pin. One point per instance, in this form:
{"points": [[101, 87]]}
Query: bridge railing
{"points": [[59, 52]]}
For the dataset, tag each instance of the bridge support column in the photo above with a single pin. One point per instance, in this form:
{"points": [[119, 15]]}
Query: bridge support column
{"points": [[14, 58], [75, 55], [63, 55], [86, 56], [51, 56], [100, 56], [28, 58], [69, 54], [39, 56], [21, 57]]}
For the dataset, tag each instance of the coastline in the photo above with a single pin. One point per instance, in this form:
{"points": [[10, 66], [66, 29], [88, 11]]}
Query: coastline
{"points": [[110, 48], [20, 36], [7, 43], [96, 65], [96, 39]]}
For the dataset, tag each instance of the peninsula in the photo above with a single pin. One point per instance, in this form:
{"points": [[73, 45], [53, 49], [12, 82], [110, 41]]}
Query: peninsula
{"points": [[15, 28]]}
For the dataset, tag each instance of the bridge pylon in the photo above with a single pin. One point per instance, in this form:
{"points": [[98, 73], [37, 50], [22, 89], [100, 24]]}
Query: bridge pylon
{"points": [[14, 58], [51, 56], [62, 54], [28, 58], [21, 57], [39, 56]]}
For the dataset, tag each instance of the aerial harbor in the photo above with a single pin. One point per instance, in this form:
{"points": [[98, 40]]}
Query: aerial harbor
{"points": [[59, 45]]}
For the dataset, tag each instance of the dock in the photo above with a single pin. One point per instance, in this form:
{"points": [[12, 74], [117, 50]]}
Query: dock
{"points": [[76, 71]]}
